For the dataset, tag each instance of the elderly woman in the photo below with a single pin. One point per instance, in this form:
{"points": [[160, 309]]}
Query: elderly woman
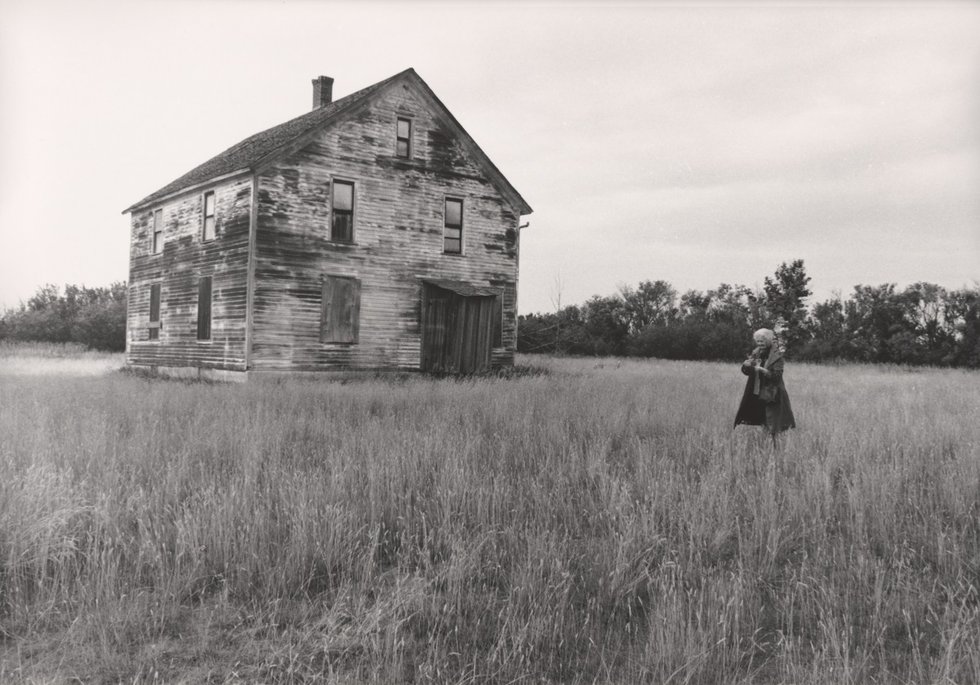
{"points": [[765, 402]]}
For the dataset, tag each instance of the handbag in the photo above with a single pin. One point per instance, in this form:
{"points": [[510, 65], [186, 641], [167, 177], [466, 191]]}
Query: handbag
{"points": [[768, 393]]}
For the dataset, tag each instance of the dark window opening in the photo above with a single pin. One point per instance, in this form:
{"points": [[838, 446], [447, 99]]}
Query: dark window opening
{"points": [[453, 230], [158, 231], [342, 212], [209, 215], [204, 308], [340, 309], [497, 321], [403, 135], [154, 326]]}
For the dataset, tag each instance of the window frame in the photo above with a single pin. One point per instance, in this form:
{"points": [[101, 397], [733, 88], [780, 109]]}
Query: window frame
{"points": [[153, 326], [156, 230], [399, 139], [205, 325], [334, 212], [447, 226], [205, 216]]}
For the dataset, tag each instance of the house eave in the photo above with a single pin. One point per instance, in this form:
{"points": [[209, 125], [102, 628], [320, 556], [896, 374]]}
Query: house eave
{"points": [[189, 189]]}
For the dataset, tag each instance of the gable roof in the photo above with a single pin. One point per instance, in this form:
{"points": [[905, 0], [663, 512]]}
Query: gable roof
{"points": [[261, 147]]}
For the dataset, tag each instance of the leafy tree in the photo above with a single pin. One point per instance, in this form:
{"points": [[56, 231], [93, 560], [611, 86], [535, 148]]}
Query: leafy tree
{"points": [[734, 304], [100, 320], [825, 328], [875, 314], [694, 306], [606, 325], [649, 304], [785, 297], [92, 316], [534, 333], [932, 333], [963, 312]]}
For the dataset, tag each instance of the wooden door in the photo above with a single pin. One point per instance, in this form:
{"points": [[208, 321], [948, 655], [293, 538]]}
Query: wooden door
{"points": [[457, 331]]}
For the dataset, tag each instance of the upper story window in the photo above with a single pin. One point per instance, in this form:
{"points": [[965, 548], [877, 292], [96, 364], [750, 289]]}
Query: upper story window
{"points": [[452, 235], [158, 231], [154, 326], [342, 212], [403, 144], [209, 215]]}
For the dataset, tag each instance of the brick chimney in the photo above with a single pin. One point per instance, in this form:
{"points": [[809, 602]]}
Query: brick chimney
{"points": [[322, 91]]}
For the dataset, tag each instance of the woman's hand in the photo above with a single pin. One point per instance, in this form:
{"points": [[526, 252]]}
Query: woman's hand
{"points": [[764, 371]]}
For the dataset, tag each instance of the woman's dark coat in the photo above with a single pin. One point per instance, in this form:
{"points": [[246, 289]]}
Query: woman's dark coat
{"points": [[765, 401]]}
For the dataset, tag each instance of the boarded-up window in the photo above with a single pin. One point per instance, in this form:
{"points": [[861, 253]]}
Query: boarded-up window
{"points": [[154, 327], [403, 136], [209, 215], [342, 212], [158, 231], [340, 310], [204, 308], [453, 231]]}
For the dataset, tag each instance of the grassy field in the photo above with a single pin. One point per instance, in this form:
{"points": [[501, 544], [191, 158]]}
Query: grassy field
{"points": [[580, 522], [55, 359]]}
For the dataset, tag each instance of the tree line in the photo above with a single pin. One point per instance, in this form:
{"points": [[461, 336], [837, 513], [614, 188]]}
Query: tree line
{"points": [[95, 317], [922, 324]]}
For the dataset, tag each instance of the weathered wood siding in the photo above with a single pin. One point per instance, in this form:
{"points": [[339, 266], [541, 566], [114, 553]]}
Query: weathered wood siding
{"points": [[398, 238], [179, 267]]}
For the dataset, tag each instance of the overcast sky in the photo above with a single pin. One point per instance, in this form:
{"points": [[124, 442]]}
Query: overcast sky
{"points": [[698, 144]]}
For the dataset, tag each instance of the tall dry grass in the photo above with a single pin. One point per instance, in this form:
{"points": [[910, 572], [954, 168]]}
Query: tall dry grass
{"points": [[55, 359], [601, 522]]}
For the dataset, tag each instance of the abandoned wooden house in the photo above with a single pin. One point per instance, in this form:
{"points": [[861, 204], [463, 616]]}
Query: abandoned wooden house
{"points": [[369, 233]]}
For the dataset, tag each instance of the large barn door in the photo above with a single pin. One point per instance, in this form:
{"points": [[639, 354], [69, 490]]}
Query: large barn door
{"points": [[457, 331]]}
